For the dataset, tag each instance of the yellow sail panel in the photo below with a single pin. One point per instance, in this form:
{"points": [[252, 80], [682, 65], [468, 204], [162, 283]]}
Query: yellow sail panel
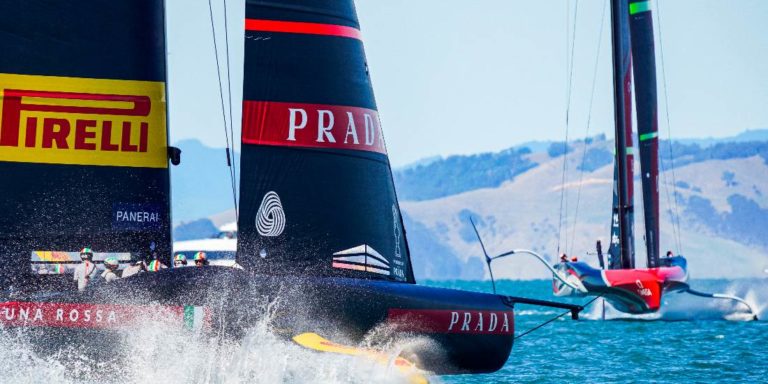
{"points": [[66, 120]]}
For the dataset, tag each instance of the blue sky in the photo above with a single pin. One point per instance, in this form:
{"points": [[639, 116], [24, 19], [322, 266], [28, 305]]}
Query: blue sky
{"points": [[458, 76]]}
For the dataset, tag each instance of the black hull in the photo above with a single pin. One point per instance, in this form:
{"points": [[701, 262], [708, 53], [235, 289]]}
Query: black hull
{"points": [[468, 332]]}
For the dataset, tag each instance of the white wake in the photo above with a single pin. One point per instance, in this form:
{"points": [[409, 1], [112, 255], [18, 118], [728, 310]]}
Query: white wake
{"points": [[170, 354]]}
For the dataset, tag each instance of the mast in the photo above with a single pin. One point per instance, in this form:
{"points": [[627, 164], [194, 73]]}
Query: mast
{"points": [[623, 209], [644, 67]]}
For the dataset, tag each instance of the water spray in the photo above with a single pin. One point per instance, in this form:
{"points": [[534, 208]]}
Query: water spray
{"points": [[725, 297]]}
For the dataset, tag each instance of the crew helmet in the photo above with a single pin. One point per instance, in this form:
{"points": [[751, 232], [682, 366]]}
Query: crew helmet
{"points": [[111, 263], [200, 257], [86, 254], [180, 259]]}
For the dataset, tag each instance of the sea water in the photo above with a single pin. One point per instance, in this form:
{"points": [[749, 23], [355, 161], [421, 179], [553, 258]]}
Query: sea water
{"points": [[691, 339]]}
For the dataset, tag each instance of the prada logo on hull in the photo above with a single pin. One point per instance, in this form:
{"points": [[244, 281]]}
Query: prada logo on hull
{"points": [[475, 322]]}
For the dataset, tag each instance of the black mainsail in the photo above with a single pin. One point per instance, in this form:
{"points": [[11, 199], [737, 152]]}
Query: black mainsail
{"points": [[83, 140], [621, 250], [644, 67], [316, 191], [317, 200]]}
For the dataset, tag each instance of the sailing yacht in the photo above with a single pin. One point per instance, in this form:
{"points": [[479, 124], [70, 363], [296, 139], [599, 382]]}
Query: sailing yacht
{"points": [[627, 287], [85, 156]]}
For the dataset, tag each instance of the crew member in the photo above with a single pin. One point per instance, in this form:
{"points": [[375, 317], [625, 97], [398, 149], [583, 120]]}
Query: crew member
{"points": [[670, 254], [155, 265], [201, 259], [563, 258], [574, 259], [180, 261], [110, 269], [136, 268], [86, 270]]}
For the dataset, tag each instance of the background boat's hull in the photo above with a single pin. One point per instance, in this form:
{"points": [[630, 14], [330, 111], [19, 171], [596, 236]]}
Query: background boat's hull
{"points": [[634, 291]]}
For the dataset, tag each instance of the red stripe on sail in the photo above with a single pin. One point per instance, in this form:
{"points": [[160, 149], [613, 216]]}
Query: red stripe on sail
{"points": [[301, 28], [312, 126]]}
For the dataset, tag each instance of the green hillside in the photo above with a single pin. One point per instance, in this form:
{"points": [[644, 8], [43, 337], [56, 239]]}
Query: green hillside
{"points": [[718, 193], [716, 190]]}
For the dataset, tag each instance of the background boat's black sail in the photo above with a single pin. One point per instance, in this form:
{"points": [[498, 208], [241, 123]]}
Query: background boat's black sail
{"points": [[83, 140], [621, 250], [316, 193], [614, 250], [644, 67]]}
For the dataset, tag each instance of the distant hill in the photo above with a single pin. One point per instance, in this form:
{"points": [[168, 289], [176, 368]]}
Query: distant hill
{"points": [[418, 163], [748, 135], [456, 174], [720, 193], [719, 189], [197, 229]]}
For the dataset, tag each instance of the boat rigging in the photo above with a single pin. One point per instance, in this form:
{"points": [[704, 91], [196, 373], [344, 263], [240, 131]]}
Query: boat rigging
{"points": [[629, 288]]}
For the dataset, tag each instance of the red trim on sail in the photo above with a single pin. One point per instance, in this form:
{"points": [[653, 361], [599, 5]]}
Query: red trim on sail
{"points": [[301, 28], [312, 126]]}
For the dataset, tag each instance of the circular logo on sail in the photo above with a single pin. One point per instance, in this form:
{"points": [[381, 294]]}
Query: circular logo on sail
{"points": [[270, 220]]}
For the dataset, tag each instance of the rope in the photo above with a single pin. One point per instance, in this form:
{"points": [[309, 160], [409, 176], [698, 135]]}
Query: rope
{"points": [[675, 218], [589, 121], [231, 119], [223, 109], [541, 325], [555, 318], [569, 88]]}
